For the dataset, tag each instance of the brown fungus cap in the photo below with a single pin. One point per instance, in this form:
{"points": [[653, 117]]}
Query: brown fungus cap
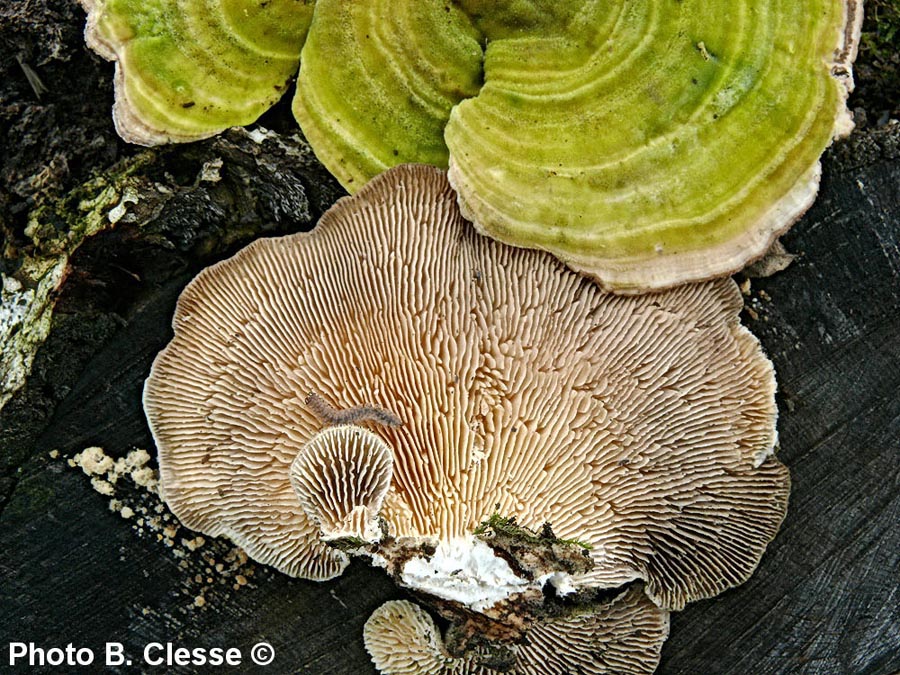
{"points": [[341, 477], [624, 637], [642, 426]]}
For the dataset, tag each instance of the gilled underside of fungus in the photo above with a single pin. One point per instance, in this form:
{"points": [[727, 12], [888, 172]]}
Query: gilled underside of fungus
{"points": [[622, 636], [644, 143], [641, 429]]}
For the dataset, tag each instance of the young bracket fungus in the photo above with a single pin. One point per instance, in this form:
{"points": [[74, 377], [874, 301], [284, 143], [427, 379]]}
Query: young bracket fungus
{"points": [[641, 428], [645, 143], [341, 477]]}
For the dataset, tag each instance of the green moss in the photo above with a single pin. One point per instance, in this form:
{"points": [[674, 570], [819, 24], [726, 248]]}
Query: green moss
{"points": [[33, 494], [882, 29], [57, 229], [878, 66], [500, 525], [348, 543]]}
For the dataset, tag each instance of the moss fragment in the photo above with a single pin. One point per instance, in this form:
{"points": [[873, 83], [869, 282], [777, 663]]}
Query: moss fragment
{"points": [[508, 527]]}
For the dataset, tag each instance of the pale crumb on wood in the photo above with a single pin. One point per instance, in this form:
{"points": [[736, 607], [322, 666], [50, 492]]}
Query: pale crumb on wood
{"points": [[145, 477], [93, 461], [103, 487], [137, 458], [193, 544], [776, 259], [149, 517], [113, 474]]}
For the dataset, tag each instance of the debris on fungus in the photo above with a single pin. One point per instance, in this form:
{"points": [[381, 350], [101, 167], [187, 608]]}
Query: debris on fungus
{"points": [[641, 427], [646, 144]]}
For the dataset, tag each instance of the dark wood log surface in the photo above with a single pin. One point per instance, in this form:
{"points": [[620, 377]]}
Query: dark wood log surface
{"points": [[824, 600]]}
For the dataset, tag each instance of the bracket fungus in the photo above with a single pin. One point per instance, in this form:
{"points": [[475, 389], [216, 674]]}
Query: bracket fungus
{"points": [[622, 636], [189, 70], [341, 477], [646, 144], [640, 427]]}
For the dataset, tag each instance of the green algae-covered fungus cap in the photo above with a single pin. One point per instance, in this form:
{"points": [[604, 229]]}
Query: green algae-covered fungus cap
{"points": [[673, 142], [187, 70], [646, 143]]}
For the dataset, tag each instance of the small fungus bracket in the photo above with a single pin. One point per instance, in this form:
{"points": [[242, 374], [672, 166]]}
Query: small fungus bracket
{"points": [[341, 478]]}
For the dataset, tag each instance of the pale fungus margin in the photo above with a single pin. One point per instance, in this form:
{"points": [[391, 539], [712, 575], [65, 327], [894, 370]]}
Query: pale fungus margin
{"points": [[641, 427], [645, 144]]}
